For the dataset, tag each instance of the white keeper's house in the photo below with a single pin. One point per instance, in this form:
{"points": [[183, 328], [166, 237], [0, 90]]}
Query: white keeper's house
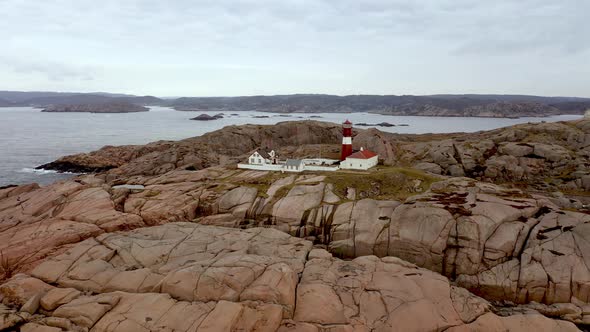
{"points": [[261, 157], [361, 160]]}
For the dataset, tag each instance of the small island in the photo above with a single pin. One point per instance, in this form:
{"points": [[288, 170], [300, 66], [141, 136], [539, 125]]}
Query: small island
{"points": [[381, 124], [111, 107], [207, 117]]}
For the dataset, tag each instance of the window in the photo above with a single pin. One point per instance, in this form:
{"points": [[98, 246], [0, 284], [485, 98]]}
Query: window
{"points": [[252, 160], [259, 161]]}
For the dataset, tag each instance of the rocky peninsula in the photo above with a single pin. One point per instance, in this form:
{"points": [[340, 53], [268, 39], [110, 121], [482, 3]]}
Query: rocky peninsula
{"points": [[457, 232], [106, 107]]}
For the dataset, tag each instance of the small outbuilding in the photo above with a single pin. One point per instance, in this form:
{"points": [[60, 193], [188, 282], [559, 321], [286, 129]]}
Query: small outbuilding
{"points": [[587, 115], [294, 165], [361, 160]]}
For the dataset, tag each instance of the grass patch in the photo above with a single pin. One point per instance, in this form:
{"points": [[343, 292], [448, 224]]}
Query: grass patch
{"points": [[381, 182], [262, 184], [261, 189], [581, 193], [152, 193]]}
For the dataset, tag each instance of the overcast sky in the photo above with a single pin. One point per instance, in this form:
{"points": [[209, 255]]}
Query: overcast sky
{"points": [[248, 47]]}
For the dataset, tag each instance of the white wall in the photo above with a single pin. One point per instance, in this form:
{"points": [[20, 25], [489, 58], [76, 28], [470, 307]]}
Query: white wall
{"points": [[321, 168], [270, 167], [293, 169], [362, 164], [267, 167]]}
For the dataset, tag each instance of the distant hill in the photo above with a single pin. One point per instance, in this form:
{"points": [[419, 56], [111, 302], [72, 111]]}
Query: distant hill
{"points": [[142, 100], [478, 105], [21, 96], [437, 105], [109, 107], [44, 99], [6, 103]]}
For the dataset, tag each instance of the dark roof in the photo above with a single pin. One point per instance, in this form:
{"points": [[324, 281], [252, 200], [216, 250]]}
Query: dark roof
{"points": [[363, 154], [263, 153], [347, 122], [294, 162]]}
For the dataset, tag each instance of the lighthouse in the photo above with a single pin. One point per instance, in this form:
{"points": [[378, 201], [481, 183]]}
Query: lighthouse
{"points": [[346, 140]]}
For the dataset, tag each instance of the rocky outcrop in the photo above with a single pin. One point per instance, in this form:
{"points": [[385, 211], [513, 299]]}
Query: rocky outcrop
{"points": [[106, 158], [221, 147], [502, 244], [188, 277], [106, 107], [263, 264], [464, 229], [37, 222], [544, 156]]}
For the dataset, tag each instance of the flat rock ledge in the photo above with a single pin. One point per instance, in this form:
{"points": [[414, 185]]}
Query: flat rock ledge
{"points": [[190, 277]]}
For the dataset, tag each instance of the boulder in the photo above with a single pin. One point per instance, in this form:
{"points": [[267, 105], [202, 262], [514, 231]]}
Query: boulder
{"points": [[58, 296], [516, 149], [429, 167], [291, 209], [21, 288]]}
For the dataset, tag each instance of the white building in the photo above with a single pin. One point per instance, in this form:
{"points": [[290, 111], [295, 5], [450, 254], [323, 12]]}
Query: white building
{"points": [[294, 165], [362, 160], [262, 158], [587, 115]]}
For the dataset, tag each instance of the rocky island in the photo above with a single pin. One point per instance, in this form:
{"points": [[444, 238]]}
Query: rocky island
{"points": [[106, 107], [488, 231], [207, 117], [380, 124]]}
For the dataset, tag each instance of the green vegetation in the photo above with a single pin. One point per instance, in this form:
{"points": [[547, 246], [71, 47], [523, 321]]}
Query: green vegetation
{"points": [[381, 182], [260, 187], [580, 193], [261, 183], [152, 193]]}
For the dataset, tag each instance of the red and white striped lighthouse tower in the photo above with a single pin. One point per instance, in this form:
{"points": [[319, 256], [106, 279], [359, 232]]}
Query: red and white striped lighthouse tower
{"points": [[346, 140]]}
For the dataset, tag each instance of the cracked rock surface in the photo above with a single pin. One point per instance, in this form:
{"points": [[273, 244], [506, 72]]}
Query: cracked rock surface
{"points": [[190, 277], [501, 244]]}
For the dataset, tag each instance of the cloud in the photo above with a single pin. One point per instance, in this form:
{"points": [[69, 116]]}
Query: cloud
{"points": [[371, 46], [54, 71]]}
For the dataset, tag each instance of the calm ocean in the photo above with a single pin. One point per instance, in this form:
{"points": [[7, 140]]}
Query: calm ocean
{"points": [[29, 138]]}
